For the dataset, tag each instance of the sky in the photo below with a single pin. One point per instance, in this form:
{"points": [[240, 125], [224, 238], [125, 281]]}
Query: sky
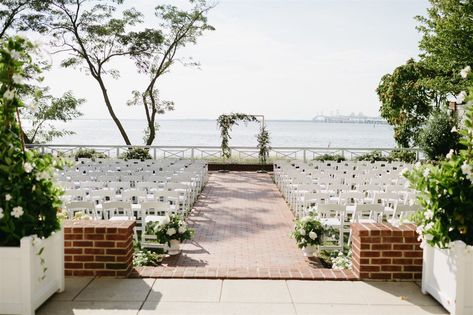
{"points": [[284, 59]]}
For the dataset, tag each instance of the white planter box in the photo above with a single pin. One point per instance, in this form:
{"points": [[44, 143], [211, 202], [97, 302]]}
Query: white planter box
{"points": [[447, 275], [22, 289]]}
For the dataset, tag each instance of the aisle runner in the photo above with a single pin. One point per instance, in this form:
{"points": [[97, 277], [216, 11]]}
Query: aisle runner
{"points": [[242, 226]]}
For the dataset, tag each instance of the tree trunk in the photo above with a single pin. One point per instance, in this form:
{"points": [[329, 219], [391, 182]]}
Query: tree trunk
{"points": [[111, 111]]}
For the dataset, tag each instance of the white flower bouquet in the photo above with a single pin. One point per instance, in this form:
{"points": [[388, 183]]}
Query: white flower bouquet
{"points": [[173, 227], [308, 231]]}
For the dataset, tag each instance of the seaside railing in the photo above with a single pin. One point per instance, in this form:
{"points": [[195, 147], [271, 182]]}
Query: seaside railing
{"points": [[213, 153]]}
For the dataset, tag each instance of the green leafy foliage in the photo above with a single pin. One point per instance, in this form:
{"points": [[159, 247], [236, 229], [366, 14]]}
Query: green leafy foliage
{"points": [[415, 89], [448, 38], [436, 138], [405, 100], [372, 156], [136, 154], [46, 108], [29, 200], [446, 192], [22, 15], [308, 231], [402, 155], [225, 124], [263, 145], [172, 228], [84, 153], [330, 157], [145, 257]]}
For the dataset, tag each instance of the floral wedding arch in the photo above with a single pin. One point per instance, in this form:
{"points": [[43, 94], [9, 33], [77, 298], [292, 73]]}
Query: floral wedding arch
{"points": [[226, 122]]}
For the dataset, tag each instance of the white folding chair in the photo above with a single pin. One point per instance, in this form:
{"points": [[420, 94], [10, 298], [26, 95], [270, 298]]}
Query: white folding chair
{"points": [[85, 207], [117, 210]]}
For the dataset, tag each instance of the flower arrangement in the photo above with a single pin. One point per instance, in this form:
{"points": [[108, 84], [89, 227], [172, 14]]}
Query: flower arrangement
{"points": [[308, 231], [29, 200], [342, 261], [446, 190], [173, 227]]}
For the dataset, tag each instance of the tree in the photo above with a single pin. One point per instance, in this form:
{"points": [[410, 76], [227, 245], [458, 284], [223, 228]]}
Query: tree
{"points": [[436, 138], [179, 28], [447, 41], [94, 36], [22, 15], [415, 89], [47, 108], [406, 101]]}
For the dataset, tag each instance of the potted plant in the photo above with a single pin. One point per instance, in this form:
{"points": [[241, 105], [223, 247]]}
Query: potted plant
{"points": [[31, 240], [170, 231], [308, 232], [445, 223]]}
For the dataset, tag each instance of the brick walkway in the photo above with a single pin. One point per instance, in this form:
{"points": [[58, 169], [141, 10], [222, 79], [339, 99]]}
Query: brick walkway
{"points": [[242, 227]]}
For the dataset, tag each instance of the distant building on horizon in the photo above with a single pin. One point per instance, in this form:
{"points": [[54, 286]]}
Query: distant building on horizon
{"points": [[353, 119]]}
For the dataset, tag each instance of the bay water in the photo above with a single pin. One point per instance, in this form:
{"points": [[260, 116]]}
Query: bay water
{"points": [[193, 132]]}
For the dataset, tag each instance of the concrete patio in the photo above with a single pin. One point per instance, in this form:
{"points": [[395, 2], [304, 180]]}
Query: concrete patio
{"points": [[102, 296]]}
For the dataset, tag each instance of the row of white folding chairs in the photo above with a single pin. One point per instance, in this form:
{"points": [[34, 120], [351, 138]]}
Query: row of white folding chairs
{"points": [[289, 172], [294, 183], [319, 176], [130, 162], [294, 191], [180, 197], [195, 179], [339, 217], [142, 213], [387, 199], [193, 188], [135, 164], [119, 210], [353, 212], [356, 165], [142, 174]]}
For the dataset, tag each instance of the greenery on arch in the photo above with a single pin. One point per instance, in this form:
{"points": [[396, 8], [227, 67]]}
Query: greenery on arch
{"points": [[226, 122]]}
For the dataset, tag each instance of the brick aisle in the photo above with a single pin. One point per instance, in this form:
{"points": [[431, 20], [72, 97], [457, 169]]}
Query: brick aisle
{"points": [[242, 226]]}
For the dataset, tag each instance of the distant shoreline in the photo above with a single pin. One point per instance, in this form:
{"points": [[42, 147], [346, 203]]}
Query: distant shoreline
{"points": [[268, 120]]}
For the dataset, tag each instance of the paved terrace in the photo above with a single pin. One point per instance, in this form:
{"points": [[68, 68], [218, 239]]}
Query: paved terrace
{"points": [[86, 296], [242, 227]]}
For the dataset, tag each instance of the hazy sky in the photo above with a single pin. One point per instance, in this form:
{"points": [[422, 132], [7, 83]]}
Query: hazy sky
{"points": [[281, 58]]}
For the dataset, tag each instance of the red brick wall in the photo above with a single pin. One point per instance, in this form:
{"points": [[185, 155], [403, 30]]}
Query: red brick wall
{"points": [[381, 251], [98, 248]]}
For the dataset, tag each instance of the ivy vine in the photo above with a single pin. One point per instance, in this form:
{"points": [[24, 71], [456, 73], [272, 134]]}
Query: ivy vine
{"points": [[226, 122]]}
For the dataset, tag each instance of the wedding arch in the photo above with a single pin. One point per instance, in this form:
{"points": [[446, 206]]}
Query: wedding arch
{"points": [[226, 122]]}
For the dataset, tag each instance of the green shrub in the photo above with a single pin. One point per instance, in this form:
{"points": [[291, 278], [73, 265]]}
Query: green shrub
{"points": [[330, 157], [402, 155], [136, 154], [372, 156], [145, 257], [89, 154], [29, 199], [436, 138]]}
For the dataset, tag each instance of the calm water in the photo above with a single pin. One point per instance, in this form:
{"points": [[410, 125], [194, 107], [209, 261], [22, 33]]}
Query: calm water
{"points": [[206, 133]]}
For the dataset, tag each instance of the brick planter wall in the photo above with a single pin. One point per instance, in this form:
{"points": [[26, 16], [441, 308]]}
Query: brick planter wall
{"points": [[98, 248], [384, 252]]}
